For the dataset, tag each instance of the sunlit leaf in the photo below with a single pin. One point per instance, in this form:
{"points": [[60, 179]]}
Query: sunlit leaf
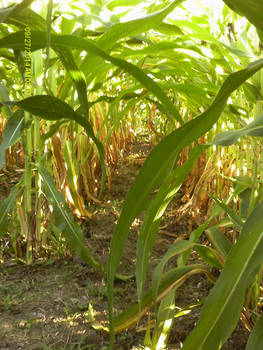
{"points": [[158, 162], [51, 108], [169, 281], [16, 41], [227, 138], [222, 308], [154, 215]]}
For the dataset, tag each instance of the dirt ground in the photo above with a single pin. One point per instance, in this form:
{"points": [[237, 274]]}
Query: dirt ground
{"points": [[55, 304]]}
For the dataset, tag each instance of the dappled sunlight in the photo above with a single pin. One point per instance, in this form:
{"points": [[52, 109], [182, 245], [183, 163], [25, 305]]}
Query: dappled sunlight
{"points": [[131, 174]]}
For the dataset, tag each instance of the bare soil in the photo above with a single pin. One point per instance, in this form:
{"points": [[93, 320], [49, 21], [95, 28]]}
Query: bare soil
{"points": [[55, 303]]}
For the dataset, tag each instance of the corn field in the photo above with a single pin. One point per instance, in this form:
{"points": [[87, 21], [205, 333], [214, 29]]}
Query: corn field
{"points": [[85, 83]]}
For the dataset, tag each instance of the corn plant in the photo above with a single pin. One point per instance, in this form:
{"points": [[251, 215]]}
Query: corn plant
{"points": [[76, 162], [104, 78], [243, 261]]}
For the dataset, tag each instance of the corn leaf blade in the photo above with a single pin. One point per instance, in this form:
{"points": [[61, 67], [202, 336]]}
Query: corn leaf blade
{"points": [[5, 209], [134, 27], [251, 9], [222, 308], [155, 168], [234, 217], [176, 249], [16, 41], [13, 10], [51, 108], [126, 29], [12, 131], [154, 215], [255, 340], [65, 221], [219, 240], [168, 281], [227, 138]]}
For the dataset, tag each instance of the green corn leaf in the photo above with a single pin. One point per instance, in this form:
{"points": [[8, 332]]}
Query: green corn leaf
{"points": [[169, 29], [24, 4], [47, 107], [236, 219], [121, 30], [6, 207], [155, 168], [255, 340], [51, 108], [165, 313], [12, 132], [209, 256], [252, 93], [176, 249], [169, 280], [65, 221], [242, 188], [4, 96], [16, 41], [219, 240], [5, 12], [154, 216], [77, 77], [115, 3], [80, 84], [27, 17], [13, 10], [194, 236], [245, 197], [227, 138], [133, 27], [67, 25], [222, 308], [161, 49], [251, 9]]}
